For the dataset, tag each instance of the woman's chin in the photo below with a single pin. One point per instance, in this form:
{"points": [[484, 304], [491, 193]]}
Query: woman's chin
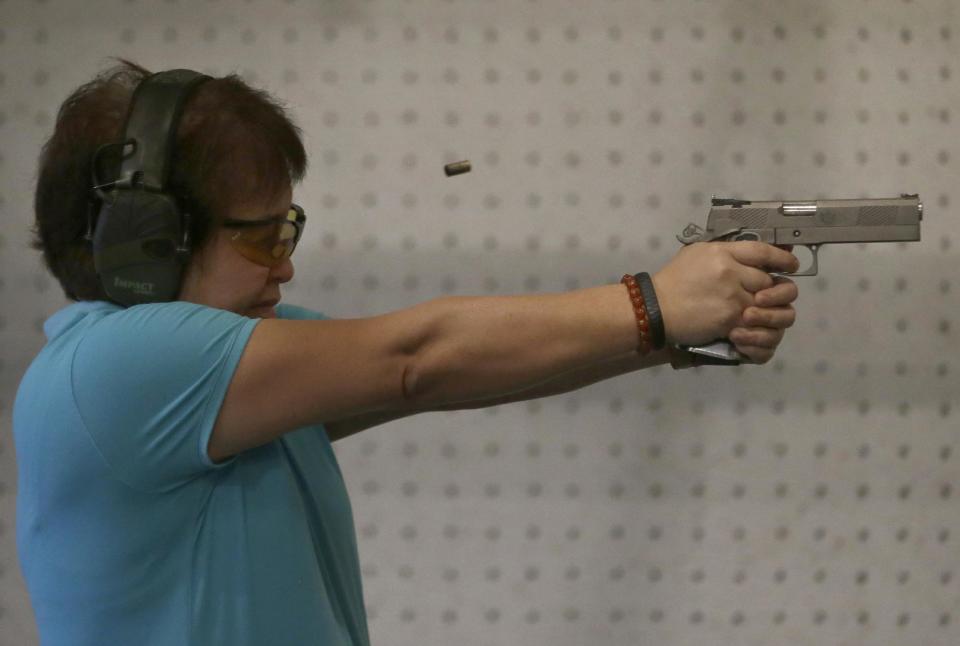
{"points": [[263, 313]]}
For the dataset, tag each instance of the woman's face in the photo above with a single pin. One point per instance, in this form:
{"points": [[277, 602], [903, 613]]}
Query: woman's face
{"points": [[220, 277]]}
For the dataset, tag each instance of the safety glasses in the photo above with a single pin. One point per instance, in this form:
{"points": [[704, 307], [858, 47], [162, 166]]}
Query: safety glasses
{"points": [[268, 241]]}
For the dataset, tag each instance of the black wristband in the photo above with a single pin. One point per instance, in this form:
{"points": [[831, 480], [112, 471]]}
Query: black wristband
{"points": [[655, 318]]}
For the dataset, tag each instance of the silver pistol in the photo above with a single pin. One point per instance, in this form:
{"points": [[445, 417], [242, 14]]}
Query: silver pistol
{"points": [[808, 223]]}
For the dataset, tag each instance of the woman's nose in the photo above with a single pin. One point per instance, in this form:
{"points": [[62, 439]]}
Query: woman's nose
{"points": [[283, 272]]}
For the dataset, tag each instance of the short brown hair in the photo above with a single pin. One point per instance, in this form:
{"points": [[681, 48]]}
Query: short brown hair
{"points": [[234, 144]]}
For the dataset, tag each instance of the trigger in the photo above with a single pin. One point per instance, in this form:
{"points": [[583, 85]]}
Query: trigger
{"points": [[811, 271]]}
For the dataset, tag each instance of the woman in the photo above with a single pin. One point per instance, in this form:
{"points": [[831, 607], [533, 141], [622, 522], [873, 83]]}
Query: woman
{"points": [[176, 479]]}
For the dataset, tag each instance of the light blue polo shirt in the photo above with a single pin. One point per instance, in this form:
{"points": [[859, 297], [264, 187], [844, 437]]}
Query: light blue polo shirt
{"points": [[128, 534]]}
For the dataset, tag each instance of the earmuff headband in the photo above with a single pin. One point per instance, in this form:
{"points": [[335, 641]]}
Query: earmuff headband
{"points": [[152, 124]]}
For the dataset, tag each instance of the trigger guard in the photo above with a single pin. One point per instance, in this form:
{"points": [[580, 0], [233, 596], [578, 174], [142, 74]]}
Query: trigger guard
{"points": [[811, 271]]}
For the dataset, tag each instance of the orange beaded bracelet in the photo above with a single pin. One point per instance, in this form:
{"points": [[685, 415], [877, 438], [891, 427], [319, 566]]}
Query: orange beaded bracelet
{"points": [[640, 310]]}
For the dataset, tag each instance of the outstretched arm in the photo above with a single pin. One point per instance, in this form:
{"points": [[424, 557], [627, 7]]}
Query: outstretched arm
{"points": [[564, 383], [760, 332]]}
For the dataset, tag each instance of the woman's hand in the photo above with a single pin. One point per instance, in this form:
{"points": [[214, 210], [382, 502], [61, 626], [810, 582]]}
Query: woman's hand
{"points": [[764, 322], [708, 288]]}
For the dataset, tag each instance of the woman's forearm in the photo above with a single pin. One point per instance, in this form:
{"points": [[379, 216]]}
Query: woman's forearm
{"points": [[482, 348], [571, 380], [564, 383]]}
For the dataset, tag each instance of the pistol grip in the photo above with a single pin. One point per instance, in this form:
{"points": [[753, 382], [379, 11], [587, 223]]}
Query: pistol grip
{"points": [[717, 353]]}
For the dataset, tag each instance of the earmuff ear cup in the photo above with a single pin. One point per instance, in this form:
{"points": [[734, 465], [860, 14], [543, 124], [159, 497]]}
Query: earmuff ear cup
{"points": [[136, 247]]}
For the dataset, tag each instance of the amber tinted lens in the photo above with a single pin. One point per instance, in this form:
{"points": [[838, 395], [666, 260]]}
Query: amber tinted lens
{"points": [[270, 243]]}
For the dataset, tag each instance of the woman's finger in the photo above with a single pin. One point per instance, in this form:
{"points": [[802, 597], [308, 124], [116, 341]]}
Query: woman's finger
{"points": [[755, 354], [770, 317], [761, 337], [783, 292]]}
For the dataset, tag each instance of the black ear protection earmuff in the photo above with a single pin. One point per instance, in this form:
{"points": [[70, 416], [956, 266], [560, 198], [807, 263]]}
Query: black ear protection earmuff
{"points": [[141, 235]]}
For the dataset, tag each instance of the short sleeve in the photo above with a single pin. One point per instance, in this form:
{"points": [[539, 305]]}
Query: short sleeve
{"points": [[148, 382]]}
